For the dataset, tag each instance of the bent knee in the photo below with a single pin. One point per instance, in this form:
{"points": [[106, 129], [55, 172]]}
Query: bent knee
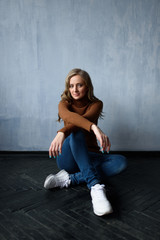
{"points": [[78, 135], [121, 163], [116, 165]]}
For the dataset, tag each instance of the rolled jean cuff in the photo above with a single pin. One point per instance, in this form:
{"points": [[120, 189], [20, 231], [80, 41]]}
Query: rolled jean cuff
{"points": [[93, 183], [76, 179]]}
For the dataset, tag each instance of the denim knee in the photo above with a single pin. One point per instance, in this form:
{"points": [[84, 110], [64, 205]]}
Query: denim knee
{"points": [[79, 135], [115, 165], [122, 163]]}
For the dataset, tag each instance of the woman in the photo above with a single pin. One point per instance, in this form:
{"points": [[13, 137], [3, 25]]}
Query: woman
{"points": [[75, 145]]}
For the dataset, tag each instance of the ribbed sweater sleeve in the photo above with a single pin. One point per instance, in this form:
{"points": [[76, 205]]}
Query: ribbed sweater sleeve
{"points": [[73, 120], [68, 129]]}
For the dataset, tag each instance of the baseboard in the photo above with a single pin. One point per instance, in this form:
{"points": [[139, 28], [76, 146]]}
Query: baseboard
{"points": [[127, 153]]}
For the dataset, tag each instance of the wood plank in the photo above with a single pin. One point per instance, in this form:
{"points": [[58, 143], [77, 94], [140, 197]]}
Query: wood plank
{"points": [[28, 211]]}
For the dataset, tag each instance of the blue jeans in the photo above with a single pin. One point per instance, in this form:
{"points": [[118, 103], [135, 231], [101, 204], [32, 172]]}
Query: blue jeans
{"points": [[84, 166]]}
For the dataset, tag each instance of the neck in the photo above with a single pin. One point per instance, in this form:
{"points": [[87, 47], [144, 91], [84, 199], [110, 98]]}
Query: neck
{"points": [[81, 102]]}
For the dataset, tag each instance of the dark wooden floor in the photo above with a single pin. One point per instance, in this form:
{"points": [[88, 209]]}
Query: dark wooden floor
{"points": [[28, 211]]}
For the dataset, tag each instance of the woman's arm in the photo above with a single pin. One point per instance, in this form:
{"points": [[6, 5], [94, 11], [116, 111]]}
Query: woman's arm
{"points": [[94, 111], [56, 145], [75, 120], [102, 138], [67, 130], [91, 115], [85, 121], [72, 117]]}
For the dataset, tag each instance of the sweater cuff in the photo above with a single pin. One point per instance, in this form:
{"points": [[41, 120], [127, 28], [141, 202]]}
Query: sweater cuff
{"points": [[66, 133]]}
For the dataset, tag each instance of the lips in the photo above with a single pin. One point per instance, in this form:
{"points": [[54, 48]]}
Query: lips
{"points": [[76, 95]]}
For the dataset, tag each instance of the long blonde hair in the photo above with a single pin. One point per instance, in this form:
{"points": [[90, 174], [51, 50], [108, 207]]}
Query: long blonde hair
{"points": [[85, 76]]}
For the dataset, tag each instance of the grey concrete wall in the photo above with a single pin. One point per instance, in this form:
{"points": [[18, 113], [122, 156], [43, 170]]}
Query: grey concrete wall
{"points": [[116, 41]]}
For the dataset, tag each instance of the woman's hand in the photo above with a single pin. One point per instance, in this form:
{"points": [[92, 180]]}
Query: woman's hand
{"points": [[56, 145], [102, 138]]}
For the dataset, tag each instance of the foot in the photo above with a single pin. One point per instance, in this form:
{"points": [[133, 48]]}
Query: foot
{"points": [[101, 205], [61, 179]]}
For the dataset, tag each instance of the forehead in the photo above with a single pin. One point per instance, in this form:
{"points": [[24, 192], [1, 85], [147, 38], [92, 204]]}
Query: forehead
{"points": [[76, 79]]}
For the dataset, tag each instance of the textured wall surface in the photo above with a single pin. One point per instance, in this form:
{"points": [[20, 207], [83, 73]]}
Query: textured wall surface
{"points": [[117, 42]]}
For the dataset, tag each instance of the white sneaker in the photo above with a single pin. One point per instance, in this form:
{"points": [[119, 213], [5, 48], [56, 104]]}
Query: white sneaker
{"points": [[101, 205], [61, 179]]}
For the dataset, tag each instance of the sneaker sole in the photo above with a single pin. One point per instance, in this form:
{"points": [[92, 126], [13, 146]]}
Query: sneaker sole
{"points": [[47, 181], [103, 214]]}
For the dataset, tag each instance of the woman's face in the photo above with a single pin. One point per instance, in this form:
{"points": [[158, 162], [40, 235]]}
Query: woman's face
{"points": [[77, 87]]}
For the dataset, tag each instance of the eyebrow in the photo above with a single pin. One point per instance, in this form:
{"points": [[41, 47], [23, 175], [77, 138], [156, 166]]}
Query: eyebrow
{"points": [[75, 84]]}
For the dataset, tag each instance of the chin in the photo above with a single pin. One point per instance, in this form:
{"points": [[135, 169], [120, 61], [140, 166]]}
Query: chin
{"points": [[79, 97], [76, 97]]}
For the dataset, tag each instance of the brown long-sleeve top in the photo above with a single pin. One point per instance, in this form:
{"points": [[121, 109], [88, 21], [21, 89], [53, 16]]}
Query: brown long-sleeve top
{"points": [[81, 114]]}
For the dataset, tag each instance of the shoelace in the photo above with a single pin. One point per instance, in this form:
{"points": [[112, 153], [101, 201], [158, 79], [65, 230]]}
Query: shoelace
{"points": [[66, 183], [100, 192]]}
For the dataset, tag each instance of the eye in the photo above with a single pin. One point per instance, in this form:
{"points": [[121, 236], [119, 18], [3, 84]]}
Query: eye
{"points": [[80, 84], [71, 86]]}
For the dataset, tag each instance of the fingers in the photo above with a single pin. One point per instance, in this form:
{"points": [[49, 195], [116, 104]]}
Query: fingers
{"points": [[50, 152], [102, 138], [60, 149], [56, 146], [56, 153], [101, 142], [108, 147], [55, 150], [106, 144]]}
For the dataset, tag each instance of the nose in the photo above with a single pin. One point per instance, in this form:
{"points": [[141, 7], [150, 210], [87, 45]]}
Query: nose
{"points": [[75, 88]]}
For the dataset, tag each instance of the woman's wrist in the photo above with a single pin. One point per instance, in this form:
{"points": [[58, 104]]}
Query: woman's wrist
{"points": [[94, 128], [61, 133]]}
